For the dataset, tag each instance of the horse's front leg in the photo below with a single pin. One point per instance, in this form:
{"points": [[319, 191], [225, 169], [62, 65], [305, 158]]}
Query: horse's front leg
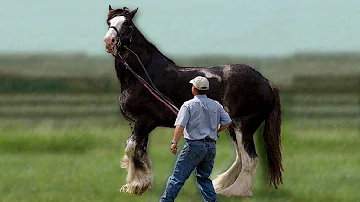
{"points": [[136, 161]]}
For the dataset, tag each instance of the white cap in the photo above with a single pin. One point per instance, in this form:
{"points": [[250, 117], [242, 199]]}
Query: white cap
{"points": [[200, 83]]}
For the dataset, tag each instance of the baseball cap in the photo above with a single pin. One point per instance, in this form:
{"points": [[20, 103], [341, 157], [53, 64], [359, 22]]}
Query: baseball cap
{"points": [[200, 83]]}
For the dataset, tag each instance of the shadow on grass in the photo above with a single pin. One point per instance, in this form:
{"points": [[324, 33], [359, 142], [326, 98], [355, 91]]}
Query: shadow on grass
{"points": [[56, 143]]}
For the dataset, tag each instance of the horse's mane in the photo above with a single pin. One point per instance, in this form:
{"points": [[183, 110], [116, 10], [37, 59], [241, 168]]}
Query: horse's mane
{"points": [[125, 12]]}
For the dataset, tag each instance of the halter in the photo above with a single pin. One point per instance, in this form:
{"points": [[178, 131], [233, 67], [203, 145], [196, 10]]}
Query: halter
{"points": [[120, 37]]}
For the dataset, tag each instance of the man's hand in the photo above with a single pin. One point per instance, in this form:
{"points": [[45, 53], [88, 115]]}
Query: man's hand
{"points": [[174, 148]]}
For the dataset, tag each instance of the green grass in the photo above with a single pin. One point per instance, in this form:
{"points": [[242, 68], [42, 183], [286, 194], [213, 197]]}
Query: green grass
{"points": [[49, 162], [67, 147]]}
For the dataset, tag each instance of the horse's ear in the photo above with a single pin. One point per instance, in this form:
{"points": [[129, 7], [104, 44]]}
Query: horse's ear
{"points": [[133, 12], [110, 8]]}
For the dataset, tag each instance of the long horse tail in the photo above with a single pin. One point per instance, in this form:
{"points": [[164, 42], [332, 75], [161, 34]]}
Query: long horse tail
{"points": [[272, 140]]}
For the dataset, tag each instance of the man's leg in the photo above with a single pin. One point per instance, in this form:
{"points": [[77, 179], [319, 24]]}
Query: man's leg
{"points": [[202, 173], [184, 165]]}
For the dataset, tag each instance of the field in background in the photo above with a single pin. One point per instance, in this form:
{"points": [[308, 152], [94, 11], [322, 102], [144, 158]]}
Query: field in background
{"points": [[62, 136], [279, 70]]}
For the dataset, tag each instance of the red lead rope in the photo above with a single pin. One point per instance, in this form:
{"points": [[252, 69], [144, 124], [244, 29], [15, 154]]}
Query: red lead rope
{"points": [[156, 96], [143, 82]]}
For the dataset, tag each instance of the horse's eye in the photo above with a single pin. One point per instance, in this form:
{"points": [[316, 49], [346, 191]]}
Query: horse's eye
{"points": [[126, 23]]}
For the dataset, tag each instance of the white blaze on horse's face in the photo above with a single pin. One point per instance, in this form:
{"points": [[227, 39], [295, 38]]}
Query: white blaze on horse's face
{"points": [[111, 35]]}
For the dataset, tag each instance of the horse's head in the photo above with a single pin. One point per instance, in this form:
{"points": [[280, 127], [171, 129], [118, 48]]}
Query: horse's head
{"points": [[120, 28]]}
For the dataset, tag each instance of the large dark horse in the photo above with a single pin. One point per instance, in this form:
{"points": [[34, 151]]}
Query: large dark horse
{"points": [[249, 98]]}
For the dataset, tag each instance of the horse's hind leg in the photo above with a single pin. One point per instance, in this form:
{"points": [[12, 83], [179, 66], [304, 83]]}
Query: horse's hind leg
{"points": [[136, 161], [244, 131], [227, 178]]}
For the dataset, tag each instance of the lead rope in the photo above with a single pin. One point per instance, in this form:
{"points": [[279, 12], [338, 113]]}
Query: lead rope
{"points": [[151, 89], [142, 81], [154, 87]]}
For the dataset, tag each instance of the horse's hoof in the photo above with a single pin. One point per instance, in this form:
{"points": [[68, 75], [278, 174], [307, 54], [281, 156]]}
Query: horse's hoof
{"points": [[130, 189], [140, 190], [124, 189]]}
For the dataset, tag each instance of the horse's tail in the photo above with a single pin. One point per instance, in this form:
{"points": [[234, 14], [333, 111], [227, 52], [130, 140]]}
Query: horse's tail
{"points": [[272, 141]]}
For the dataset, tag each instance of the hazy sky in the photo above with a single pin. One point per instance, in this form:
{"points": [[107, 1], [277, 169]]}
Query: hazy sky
{"points": [[186, 27]]}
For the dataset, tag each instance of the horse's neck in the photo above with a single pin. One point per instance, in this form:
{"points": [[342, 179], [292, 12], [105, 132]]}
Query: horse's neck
{"points": [[139, 49], [156, 64], [142, 51]]}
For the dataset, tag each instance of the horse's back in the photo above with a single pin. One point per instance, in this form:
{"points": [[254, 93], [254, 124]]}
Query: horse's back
{"points": [[236, 86]]}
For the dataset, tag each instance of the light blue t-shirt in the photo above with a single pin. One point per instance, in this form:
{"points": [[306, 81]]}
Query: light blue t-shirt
{"points": [[200, 117]]}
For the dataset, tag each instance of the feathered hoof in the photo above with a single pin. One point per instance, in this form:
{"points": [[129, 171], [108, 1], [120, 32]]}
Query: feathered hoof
{"points": [[241, 187], [134, 188], [222, 182]]}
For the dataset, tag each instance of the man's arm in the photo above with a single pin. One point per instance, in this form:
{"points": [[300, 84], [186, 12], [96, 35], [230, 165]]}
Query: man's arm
{"points": [[223, 127], [181, 120], [225, 119], [178, 132]]}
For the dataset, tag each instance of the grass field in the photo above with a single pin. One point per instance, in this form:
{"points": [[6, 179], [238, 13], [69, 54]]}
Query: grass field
{"points": [[62, 135], [66, 147]]}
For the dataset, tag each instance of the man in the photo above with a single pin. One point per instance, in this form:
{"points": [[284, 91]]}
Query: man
{"points": [[200, 117]]}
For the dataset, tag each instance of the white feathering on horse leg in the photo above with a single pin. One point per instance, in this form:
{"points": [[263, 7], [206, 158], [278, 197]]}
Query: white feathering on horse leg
{"points": [[227, 178], [243, 184], [124, 162], [137, 180]]}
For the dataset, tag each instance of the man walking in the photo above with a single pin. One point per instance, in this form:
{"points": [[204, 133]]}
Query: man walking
{"points": [[200, 119]]}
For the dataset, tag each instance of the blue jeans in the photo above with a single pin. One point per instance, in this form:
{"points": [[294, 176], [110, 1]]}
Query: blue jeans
{"points": [[198, 156]]}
